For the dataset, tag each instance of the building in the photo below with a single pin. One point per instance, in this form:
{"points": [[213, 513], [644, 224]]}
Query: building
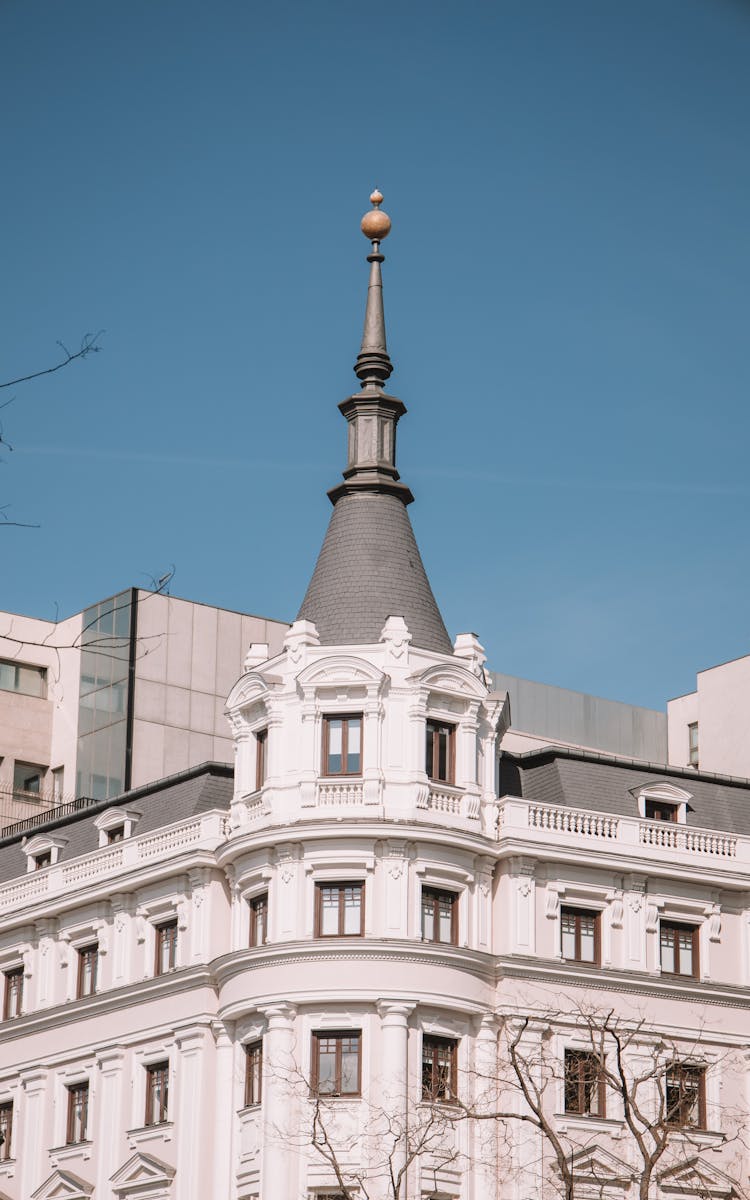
{"points": [[710, 727], [121, 694], [394, 952]]}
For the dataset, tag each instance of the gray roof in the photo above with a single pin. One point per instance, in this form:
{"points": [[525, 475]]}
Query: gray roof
{"points": [[199, 789], [369, 568], [601, 783]]}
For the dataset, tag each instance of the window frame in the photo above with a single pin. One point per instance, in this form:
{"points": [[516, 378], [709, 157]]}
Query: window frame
{"points": [[345, 718], [571, 910], [698, 1073], [693, 744], [676, 928], [341, 885], [154, 1072], [161, 930], [90, 950], [253, 1073], [338, 1035], [78, 1108], [434, 726], [256, 904], [12, 975], [436, 893], [6, 1126], [653, 810], [433, 1093], [596, 1080], [261, 757]]}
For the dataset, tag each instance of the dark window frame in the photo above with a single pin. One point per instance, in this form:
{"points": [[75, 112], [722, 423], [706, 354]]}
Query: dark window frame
{"points": [[583, 1074], [341, 886], [42, 860], [683, 1072], [339, 1036], [165, 933], [261, 758], [13, 984], [253, 1073], [85, 953], [432, 752], [157, 1111], [114, 835], [579, 915], [345, 718], [660, 810], [258, 904], [675, 928], [78, 1112], [439, 1086], [437, 895], [6, 1128]]}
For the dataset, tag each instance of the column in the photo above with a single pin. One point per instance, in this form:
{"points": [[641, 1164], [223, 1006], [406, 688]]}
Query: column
{"points": [[486, 1175], [225, 1152], [281, 1081], [392, 1084], [32, 1158], [192, 1161], [110, 1121]]}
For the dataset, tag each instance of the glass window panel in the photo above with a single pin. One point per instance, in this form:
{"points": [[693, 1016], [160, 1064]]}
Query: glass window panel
{"points": [[326, 1065], [685, 939], [349, 1066], [335, 746], [667, 950], [329, 910], [7, 677], [588, 939], [445, 916], [429, 751], [428, 917], [352, 910], [442, 755], [568, 923], [354, 745]]}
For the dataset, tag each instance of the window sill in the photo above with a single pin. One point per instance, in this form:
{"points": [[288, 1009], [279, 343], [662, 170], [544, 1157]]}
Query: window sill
{"points": [[580, 962], [150, 1133], [7, 1168], [249, 1110], [586, 1121], [70, 1151]]}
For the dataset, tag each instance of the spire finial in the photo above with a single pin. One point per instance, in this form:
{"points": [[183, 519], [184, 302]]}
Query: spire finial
{"points": [[373, 365]]}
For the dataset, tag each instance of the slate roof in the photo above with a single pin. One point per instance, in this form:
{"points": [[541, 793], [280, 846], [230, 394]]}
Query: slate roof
{"points": [[369, 568], [605, 783], [173, 799]]}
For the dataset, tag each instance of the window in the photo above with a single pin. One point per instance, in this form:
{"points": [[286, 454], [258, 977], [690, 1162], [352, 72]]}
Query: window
{"points": [[339, 910], [342, 745], [58, 779], [6, 1130], [440, 752], [261, 765], [660, 810], [78, 1113], [157, 1093], [13, 1001], [685, 1096], [259, 920], [336, 1064], [19, 677], [579, 932], [584, 1084], [166, 948], [253, 1073], [28, 777], [117, 834], [42, 860], [693, 744], [678, 946], [88, 962], [439, 1063], [439, 916]]}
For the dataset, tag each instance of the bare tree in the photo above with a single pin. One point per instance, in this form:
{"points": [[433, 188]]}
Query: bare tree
{"points": [[655, 1086]]}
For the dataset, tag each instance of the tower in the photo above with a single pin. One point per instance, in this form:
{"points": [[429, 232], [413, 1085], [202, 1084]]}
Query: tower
{"points": [[363, 818]]}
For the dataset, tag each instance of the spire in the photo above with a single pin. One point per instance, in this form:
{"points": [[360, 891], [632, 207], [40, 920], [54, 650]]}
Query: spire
{"points": [[373, 366], [372, 414], [369, 567]]}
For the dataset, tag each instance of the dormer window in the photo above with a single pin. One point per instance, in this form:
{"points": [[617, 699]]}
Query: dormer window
{"points": [[440, 755], [43, 850], [116, 825], [342, 745], [662, 801], [660, 810]]}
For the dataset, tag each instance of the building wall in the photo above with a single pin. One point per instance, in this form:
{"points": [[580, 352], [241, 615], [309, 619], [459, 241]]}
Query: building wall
{"points": [[721, 707], [541, 713]]}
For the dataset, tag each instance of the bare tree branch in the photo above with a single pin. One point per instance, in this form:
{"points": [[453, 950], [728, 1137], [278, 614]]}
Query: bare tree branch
{"points": [[88, 346]]}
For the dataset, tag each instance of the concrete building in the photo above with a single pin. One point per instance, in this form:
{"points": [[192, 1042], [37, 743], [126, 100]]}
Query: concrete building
{"points": [[123, 693], [393, 953], [710, 727]]}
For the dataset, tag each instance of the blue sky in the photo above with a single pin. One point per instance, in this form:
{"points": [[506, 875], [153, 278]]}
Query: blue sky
{"points": [[567, 288]]}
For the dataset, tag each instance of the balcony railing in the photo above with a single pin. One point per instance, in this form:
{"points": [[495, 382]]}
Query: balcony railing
{"points": [[577, 827]]}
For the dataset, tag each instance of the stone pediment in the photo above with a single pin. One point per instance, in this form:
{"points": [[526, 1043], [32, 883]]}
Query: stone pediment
{"points": [[453, 679], [248, 690], [142, 1175], [662, 791], [339, 669], [696, 1178], [63, 1185], [600, 1168]]}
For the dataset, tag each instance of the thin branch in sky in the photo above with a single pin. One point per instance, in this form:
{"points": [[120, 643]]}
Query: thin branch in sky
{"points": [[88, 346]]}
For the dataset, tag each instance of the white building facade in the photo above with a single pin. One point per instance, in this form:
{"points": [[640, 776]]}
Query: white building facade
{"points": [[384, 956]]}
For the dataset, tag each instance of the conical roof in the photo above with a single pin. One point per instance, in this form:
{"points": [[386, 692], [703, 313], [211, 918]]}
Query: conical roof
{"points": [[369, 567]]}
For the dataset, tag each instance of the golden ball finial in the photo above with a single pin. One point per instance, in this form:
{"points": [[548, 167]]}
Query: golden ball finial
{"points": [[376, 224]]}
